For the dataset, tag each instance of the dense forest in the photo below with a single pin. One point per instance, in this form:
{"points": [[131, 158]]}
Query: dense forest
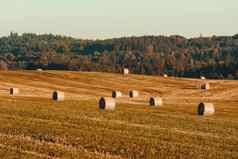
{"points": [[213, 57]]}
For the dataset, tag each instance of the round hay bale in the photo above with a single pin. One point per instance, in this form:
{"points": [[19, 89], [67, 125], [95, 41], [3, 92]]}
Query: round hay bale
{"points": [[39, 69], [205, 109], [116, 94], [125, 71], [14, 91], [205, 86], [156, 101], [106, 103], [133, 93], [58, 96]]}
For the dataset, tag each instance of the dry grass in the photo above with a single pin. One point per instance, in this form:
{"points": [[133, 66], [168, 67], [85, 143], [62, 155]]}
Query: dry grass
{"points": [[33, 126]]}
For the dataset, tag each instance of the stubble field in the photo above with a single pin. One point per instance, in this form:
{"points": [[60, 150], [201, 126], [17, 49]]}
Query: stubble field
{"points": [[32, 126]]}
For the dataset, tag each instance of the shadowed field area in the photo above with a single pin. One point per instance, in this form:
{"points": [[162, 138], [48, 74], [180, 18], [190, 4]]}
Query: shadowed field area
{"points": [[34, 126]]}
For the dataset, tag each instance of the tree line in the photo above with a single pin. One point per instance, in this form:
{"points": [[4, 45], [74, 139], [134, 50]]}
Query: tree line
{"points": [[213, 57]]}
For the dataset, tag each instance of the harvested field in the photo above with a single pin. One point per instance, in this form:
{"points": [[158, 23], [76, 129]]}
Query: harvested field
{"points": [[33, 126]]}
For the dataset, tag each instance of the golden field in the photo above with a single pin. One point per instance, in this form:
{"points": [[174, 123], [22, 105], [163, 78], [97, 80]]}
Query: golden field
{"points": [[33, 126]]}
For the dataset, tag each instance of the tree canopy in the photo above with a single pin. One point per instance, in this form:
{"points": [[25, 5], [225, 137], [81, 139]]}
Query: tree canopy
{"points": [[214, 57]]}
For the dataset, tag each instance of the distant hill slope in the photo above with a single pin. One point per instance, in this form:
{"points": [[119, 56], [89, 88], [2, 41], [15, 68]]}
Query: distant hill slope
{"points": [[214, 57], [92, 85]]}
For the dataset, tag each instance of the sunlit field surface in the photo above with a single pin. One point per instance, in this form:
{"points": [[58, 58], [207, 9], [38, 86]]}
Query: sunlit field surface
{"points": [[32, 126]]}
